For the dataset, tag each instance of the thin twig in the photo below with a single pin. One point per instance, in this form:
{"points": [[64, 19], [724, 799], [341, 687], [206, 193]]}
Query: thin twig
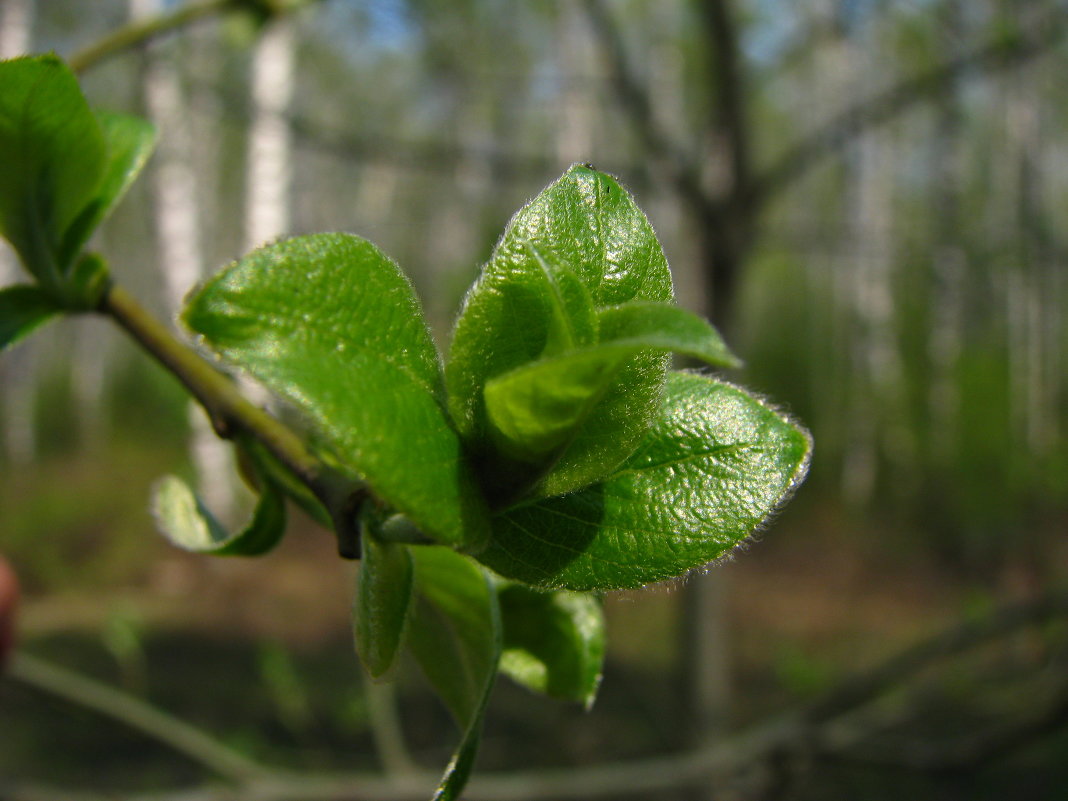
{"points": [[387, 729], [1047, 714], [636, 100], [230, 412], [135, 713], [890, 103], [965, 636], [798, 730], [141, 31]]}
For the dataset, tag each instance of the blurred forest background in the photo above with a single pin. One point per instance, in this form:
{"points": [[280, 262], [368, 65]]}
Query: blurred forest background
{"points": [[868, 197]]}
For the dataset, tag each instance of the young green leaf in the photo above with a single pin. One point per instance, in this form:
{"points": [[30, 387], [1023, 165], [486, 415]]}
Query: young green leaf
{"points": [[714, 465], [53, 159], [23, 309], [383, 600], [187, 523], [129, 142], [525, 307], [538, 408], [89, 279], [664, 326], [455, 635], [553, 641], [331, 324]]}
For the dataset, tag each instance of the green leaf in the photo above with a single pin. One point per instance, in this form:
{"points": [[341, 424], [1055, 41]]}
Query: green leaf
{"points": [[187, 523], [553, 641], [254, 460], [538, 408], [527, 306], [129, 142], [87, 283], [667, 327], [54, 157], [331, 324], [713, 466], [383, 601], [455, 635], [23, 309]]}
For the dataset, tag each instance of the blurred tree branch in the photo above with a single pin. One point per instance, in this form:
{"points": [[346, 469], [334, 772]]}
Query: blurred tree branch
{"points": [[807, 732], [954, 755], [1002, 52], [634, 97], [726, 211], [142, 31], [135, 713]]}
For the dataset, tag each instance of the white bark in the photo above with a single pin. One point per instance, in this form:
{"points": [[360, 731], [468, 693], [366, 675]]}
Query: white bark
{"points": [[16, 27], [19, 385], [949, 267], [269, 174], [270, 155], [878, 373], [179, 239], [574, 135], [1025, 307]]}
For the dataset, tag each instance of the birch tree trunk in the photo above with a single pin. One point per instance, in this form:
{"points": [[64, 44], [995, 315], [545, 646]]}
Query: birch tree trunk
{"points": [[1030, 415], [876, 401], [949, 265], [16, 27], [178, 235], [574, 135], [270, 147], [19, 387], [706, 648], [269, 173]]}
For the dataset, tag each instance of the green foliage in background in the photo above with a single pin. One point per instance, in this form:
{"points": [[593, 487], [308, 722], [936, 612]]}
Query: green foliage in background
{"points": [[551, 455]]}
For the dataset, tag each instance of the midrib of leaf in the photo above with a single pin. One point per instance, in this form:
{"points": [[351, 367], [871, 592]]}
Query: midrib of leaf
{"points": [[592, 556], [560, 546], [714, 451], [557, 297], [598, 206]]}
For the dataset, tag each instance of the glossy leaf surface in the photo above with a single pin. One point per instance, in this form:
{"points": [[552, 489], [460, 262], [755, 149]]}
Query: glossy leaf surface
{"points": [[539, 407], [455, 635], [53, 159], [330, 324], [383, 602], [22, 310], [713, 466], [129, 142], [553, 641], [187, 523], [584, 231], [664, 326]]}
